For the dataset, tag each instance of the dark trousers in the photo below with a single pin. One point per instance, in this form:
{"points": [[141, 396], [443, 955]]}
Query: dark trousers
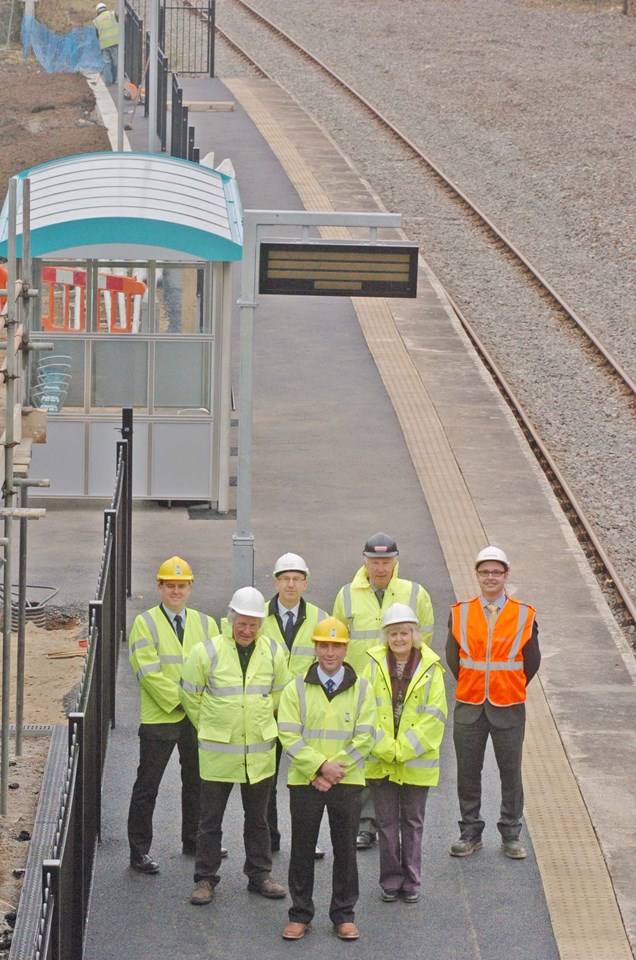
{"points": [[156, 743], [258, 855], [470, 747], [272, 809], [307, 805], [399, 812]]}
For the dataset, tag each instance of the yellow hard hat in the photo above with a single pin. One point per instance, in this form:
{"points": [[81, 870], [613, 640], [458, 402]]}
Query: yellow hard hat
{"points": [[330, 630], [175, 569]]}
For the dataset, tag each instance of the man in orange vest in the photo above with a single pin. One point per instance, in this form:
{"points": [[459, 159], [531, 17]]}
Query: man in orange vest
{"points": [[493, 652]]}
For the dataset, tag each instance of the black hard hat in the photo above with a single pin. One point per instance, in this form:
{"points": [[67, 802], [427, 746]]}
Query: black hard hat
{"points": [[380, 545]]}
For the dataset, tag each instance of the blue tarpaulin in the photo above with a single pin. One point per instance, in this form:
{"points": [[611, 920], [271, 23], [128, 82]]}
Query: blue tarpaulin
{"points": [[73, 52]]}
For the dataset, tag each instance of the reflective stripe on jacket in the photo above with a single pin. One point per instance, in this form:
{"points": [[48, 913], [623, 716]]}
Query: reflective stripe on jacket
{"points": [[156, 656], [491, 665], [303, 652], [411, 756], [313, 729], [107, 29], [234, 715], [357, 606]]}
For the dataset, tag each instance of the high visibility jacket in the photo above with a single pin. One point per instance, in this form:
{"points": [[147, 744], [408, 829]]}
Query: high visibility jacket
{"points": [[107, 29], [234, 715], [313, 728], [302, 653], [412, 755], [156, 656], [357, 606], [491, 665]]}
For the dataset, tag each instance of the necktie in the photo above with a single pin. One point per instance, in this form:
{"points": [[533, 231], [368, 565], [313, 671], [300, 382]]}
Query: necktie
{"points": [[289, 629], [178, 627], [330, 685], [493, 610]]}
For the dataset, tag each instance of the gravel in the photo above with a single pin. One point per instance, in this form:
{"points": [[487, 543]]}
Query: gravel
{"points": [[529, 108]]}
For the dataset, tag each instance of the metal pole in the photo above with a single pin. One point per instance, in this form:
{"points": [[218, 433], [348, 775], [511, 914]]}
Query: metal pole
{"points": [[153, 84], [23, 485], [243, 539], [121, 66], [8, 496]]}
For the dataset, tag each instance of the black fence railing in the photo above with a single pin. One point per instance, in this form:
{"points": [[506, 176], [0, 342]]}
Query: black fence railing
{"points": [[134, 46], [181, 134], [68, 869], [186, 33]]}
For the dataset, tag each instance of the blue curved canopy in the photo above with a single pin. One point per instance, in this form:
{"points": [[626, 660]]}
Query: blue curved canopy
{"points": [[129, 206]]}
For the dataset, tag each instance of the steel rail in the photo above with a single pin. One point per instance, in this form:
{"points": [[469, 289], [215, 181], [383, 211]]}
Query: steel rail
{"points": [[586, 532], [607, 358]]}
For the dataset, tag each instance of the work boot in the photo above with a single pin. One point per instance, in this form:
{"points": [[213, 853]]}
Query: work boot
{"points": [[201, 893], [267, 888], [465, 846], [513, 849]]}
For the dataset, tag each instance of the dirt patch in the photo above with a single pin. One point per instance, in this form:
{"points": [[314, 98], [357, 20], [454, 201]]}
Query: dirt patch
{"points": [[54, 661], [44, 117]]}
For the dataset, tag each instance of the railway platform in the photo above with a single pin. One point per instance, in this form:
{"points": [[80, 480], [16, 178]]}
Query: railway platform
{"points": [[376, 415]]}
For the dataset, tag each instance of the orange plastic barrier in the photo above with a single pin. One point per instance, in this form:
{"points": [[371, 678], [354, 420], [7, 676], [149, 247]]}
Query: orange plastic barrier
{"points": [[68, 315], [4, 279]]}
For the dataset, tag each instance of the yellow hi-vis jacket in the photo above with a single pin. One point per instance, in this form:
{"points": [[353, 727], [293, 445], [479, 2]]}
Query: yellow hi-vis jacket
{"points": [[107, 29], [302, 653], [234, 715], [357, 606], [313, 728], [412, 755], [156, 656]]}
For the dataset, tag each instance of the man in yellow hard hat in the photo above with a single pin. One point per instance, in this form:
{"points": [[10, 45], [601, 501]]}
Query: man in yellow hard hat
{"points": [[326, 721], [158, 642]]}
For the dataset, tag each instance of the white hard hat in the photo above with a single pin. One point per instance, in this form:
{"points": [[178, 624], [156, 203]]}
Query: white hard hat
{"points": [[248, 601], [290, 561], [492, 553], [100, 6], [398, 613]]}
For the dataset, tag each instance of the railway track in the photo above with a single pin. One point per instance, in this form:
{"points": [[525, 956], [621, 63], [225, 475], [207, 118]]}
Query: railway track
{"points": [[596, 550]]}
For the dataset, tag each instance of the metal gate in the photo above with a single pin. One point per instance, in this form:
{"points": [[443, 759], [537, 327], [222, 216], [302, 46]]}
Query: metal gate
{"points": [[186, 35]]}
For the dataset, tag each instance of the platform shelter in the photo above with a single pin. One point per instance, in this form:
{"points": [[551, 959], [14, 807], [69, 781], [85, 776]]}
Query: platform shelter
{"points": [[132, 256]]}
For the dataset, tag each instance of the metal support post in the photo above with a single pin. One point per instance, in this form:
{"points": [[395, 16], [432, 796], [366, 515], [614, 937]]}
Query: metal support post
{"points": [[23, 484], [253, 223]]}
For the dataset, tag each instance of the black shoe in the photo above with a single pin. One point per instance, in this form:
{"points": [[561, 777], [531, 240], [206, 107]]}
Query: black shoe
{"points": [[364, 840], [318, 853], [144, 864], [275, 846]]}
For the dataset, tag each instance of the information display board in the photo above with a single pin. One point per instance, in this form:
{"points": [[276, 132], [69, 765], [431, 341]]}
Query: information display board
{"points": [[325, 268]]}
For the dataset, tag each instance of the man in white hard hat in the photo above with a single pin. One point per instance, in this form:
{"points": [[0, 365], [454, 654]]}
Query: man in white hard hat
{"points": [[158, 641], [493, 652], [360, 605], [290, 620], [107, 29], [230, 688]]}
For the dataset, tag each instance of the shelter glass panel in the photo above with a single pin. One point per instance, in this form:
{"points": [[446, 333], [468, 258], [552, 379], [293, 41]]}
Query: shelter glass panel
{"points": [[182, 376], [120, 373]]}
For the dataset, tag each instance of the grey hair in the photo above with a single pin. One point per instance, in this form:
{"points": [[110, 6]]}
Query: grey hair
{"points": [[231, 616], [417, 636]]}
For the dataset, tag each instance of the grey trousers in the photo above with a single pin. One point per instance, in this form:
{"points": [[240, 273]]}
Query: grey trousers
{"points": [[470, 747], [399, 814]]}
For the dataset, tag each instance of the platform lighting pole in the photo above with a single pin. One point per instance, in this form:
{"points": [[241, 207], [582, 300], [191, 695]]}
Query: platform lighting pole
{"points": [[254, 224], [151, 89], [121, 57]]}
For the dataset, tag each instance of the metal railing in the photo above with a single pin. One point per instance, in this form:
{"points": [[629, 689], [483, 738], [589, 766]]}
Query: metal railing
{"points": [[186, 33], [181, 135], [134, 46], [57, 933]]}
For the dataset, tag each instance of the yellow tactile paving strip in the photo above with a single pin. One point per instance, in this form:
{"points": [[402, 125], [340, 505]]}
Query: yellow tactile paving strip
{"points": [[585, 917]]}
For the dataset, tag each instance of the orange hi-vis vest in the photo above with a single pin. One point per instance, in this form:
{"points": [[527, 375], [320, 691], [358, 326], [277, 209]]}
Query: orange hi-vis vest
{"points": [[491, 664]]}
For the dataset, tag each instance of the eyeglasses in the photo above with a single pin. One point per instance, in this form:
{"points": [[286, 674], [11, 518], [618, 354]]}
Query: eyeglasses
{"points": [[483, 574], [294, 581]]}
